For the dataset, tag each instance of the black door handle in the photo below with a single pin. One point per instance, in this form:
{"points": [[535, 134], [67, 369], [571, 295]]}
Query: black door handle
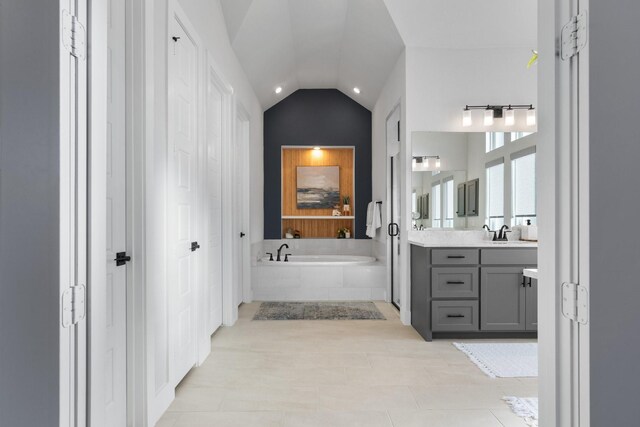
{"points": [[455, 257], [391, 231], [523, 281], [122, 258], [529, 281], [242, 234], [194, 246], [455, 315], [457, 282]]}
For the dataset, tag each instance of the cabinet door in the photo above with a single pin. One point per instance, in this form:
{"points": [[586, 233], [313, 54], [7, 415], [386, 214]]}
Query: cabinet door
{"points": [[472, 198], [461, 199], [532, 304], [502, 299]]}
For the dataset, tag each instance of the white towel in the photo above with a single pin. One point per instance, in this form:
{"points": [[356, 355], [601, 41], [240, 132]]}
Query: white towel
{"points": [[374, 220]]}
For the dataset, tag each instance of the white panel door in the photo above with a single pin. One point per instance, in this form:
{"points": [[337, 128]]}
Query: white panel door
{"points": [[116, 320], [214, 202], [182, 213]]}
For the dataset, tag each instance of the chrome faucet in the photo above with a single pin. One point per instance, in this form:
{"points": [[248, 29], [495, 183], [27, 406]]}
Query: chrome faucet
{"points": [[284, 245]]}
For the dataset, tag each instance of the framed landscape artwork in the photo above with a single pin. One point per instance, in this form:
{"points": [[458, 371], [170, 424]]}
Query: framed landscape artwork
{"points": [[318, 187]]}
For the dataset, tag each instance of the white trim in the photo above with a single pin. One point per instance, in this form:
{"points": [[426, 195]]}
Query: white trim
{"points": [[243, 116], [97, 198], [139, 125]]}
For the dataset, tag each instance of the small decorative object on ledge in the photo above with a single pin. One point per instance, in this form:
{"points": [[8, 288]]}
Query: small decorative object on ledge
{"points": [[344, 233], [345, 205], [336, 211]]}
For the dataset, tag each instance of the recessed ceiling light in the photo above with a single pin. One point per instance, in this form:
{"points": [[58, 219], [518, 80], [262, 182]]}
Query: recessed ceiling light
{"points": [[356, 90], [279, 89]]}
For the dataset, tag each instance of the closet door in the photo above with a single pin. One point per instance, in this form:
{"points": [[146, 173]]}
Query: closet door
{"points": [[182, 200]]}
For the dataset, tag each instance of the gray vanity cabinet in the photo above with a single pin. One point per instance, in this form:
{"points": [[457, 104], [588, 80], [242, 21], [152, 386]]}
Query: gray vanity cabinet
{"points": [[478, 292], [503, 299], [472, 195]]}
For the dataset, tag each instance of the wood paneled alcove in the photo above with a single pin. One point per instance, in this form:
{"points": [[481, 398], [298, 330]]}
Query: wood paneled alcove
{"points": [[320, 223]]}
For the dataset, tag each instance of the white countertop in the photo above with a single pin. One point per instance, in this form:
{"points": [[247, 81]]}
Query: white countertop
{"points": [[462, 239], [530, 272], [481, 244]]}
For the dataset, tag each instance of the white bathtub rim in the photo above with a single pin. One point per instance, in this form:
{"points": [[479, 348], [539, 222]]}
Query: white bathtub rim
{"points": [[319, 261]]}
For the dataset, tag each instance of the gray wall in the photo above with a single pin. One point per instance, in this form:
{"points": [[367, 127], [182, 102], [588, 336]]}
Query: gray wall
{"points": [[615, 202], [313, 117], [29, 144]]}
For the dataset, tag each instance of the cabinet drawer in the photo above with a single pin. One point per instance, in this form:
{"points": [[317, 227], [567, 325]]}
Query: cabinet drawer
{"points": [[454, 256], [454, 316], [452, 282], [510, 256]]}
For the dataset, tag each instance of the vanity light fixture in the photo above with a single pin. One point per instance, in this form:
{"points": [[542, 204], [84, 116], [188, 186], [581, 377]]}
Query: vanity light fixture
{"points": [[492, 112], [531, 116], [356, 90], [278, 90], [316, 148], [509, 116], [466, 117], [421, 163], [488, 117]]}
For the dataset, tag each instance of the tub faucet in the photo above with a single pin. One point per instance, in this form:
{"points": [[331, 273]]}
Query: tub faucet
{"points": [[284, 245]]}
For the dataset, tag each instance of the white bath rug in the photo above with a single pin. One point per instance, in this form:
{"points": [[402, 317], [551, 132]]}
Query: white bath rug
{"points": [[503, 360], [524, 407]]}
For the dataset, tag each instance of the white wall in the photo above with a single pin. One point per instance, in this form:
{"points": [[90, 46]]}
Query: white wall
{"points": [[440, 82], [206, 16]]}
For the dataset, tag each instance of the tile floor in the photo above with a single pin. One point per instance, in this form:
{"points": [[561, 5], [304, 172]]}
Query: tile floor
{"points": [[339, 373]]}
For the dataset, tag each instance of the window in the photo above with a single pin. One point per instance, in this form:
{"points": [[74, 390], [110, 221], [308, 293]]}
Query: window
{"points": [[495, 194], [437, 209], [494, 140], [518, 135], [523, 186], [447, 202]]}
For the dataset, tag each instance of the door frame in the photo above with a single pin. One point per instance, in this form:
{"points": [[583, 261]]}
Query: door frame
{"points": [[212, 70], [243, 117], [390, 152]]}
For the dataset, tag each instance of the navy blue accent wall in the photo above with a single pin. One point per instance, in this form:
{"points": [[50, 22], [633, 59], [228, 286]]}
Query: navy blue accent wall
{"points": [[311, 117]]}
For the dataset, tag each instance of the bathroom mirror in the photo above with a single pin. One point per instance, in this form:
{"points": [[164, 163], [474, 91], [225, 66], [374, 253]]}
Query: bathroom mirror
{"points": [[463, 180]]}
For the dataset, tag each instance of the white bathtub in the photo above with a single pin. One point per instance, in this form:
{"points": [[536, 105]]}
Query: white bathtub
{"points": [[312, 277], [319, 260]]}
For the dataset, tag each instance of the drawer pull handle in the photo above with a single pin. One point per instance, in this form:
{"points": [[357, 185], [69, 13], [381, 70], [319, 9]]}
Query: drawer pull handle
{"points": [[455, 315], [458, 282], [456, 256]]}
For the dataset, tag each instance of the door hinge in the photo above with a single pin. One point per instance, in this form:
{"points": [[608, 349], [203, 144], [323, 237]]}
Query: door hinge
{"points": [[73, 35], [575, 302], [73, 305], [574, 35]]}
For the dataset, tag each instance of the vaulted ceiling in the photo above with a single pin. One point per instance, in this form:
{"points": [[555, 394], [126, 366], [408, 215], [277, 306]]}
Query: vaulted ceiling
{"points": [[313, 44]]}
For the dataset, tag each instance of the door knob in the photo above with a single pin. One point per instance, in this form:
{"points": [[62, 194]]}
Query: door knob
{"points": [[194, 246], [242, 234]]}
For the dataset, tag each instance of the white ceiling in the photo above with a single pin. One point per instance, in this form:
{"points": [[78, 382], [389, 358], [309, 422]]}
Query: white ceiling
{"points": [[313, 44], [466, 24]]}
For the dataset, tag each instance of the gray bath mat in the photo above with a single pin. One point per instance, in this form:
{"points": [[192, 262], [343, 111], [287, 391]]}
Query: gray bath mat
{"points": [[318, 311]]}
